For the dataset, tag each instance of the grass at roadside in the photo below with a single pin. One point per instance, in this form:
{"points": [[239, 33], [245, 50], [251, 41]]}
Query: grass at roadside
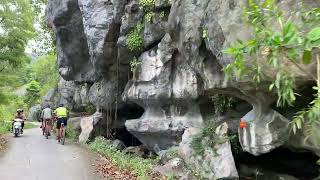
{"points": [[5, 126], [140, 167]]}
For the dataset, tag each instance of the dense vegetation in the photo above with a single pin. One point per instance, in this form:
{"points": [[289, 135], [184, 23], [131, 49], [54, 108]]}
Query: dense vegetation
{"points": [[24, 76]]}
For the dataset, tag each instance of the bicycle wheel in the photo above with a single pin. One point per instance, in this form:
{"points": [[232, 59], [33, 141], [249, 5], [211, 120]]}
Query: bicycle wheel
{"points": [[46, 130], [43, 130], [63, 134]]}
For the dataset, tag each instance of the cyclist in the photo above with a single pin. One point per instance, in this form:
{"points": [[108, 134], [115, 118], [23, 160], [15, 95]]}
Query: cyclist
{"points": [[19, 115], [62, 115], [46, 117]]}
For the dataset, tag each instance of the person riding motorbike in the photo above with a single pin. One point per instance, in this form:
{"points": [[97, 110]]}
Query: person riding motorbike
{"points": [[62, 115], [19, 115], [47, 116]]}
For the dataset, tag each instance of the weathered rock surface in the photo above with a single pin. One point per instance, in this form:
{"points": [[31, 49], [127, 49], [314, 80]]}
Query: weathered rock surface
{"points": [[216, 162], [263, 133], [75, 124], [174, 166], [73, 55], [119, 145], [35, 113], [94, 125]]}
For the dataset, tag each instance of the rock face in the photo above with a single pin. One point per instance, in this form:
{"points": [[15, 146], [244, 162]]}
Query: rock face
{"points": [[216, 162], [263, 133], [94, 125], [34, 113], [178, 68]]}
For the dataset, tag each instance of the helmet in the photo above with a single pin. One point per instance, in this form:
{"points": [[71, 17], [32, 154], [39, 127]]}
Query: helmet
{"points": [[60, 105], [19, 110]]}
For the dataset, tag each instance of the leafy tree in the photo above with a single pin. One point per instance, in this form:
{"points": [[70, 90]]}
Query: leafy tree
{"points": [[33, 93], [18, 19], [276, 45], [16, 22], [45, 71]]}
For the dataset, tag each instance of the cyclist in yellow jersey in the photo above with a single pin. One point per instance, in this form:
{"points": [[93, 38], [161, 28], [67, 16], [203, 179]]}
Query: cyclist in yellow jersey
{"points": [[62, 115]]}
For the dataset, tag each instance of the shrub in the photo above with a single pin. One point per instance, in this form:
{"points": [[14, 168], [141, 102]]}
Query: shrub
{"points": [[207, 138], [135, 39], [5, 127], [149, 16], [146, 4], [71, 133]]}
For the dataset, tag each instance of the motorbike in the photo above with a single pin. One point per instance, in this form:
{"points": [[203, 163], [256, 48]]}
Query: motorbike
{"points": [[17, 127]]}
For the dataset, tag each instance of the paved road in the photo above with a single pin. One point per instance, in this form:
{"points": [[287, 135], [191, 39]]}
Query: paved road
{"points": [[32, 157]]}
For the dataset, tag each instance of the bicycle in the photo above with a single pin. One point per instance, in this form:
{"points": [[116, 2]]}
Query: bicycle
{"points": [[62, 134], [46, 129]]}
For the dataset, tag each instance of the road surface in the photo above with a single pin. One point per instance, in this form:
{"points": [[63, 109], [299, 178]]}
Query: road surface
{"points": [[32, 157]]}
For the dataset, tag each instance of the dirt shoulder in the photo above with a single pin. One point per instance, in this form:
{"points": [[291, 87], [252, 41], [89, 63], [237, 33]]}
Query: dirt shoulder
{"points": [[3, 142]]}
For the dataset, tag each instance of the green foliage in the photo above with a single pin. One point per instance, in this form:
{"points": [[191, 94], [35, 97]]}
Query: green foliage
{"points": [[235, 144], [308, 118], [207, 138], [17, 21], [147, 4], [195, 171], [5, 127], [134, 63], [204, 33], [221, 103], [45, 71], [135, 39], [162, 14], [172, 176], [17, 26], [172, 152], [149, 17], [289, 42], [283, 85], [90, 109], [71, 133], [9, 108], [139, 166], [33, 93]]}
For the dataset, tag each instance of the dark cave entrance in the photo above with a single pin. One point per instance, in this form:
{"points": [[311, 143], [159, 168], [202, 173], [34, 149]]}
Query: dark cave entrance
{"points": [[125, 136], [301, 165], [128, 111]]}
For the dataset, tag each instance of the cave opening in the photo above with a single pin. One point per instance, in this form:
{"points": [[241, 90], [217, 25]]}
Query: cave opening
{"points": [[125, 136], [126, 112], [301, 165]]}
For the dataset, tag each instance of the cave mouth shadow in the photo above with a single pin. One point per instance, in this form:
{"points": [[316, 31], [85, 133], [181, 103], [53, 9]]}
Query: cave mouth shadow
{"points": [[128, 111], [301, 165], [125, 136]]}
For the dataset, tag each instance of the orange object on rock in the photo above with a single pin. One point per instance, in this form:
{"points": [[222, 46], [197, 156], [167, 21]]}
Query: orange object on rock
{"points": [[242, 124]]}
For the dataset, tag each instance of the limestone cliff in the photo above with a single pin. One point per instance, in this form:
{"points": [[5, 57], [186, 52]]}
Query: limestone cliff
{"points": [[121, 57]]}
